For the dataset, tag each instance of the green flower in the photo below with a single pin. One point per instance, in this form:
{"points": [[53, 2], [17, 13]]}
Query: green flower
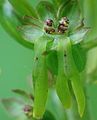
{"points": [[54, 30]]}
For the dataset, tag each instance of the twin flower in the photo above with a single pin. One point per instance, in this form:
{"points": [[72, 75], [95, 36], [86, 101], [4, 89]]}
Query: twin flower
{"points": [[61, 28]]}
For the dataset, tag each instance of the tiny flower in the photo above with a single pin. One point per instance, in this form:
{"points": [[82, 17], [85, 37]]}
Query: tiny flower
{"points": [[49, 22], [63, 25], [62, 28], [64, 21], [49, 30], [28, 110]]}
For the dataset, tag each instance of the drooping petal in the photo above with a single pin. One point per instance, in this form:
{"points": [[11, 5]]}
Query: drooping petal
{"points": [[74, 76], [40, 77], [62, 87], [79, 94], [52, 62]]}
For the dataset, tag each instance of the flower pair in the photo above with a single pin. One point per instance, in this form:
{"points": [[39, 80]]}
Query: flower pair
{"points": [[61, 28]]}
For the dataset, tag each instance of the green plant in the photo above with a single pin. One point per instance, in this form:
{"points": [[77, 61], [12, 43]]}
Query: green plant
{"points": [[55, 31]]}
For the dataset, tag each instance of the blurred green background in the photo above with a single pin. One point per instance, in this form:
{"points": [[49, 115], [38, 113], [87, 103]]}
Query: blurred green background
{"points": [[16, 62]]}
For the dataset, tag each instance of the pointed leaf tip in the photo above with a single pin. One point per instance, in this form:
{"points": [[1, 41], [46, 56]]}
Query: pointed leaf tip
{"points": [[79, 35]]}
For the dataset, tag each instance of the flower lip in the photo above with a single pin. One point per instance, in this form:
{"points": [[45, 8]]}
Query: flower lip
{"points": [[49, 30], [27, 108], [64, 21], [62, 28], [49, 22]]}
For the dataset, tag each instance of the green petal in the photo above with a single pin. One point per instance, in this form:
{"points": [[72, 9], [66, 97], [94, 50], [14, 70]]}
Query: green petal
{"points": [[52, 62], [62, 82], [40, 77], [79, 35], [79, 94], [70, 66], [30, 33], [9, 21], [75, 78], [45, 10]]}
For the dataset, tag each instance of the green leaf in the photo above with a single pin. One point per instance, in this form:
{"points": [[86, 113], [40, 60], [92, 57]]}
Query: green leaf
{"points": [[79, 56], [52, 62], [22, 7], [78, 36], [79, 93], [15, 107], [62, 82], [45, 10], [9, 21], [40, 76]]}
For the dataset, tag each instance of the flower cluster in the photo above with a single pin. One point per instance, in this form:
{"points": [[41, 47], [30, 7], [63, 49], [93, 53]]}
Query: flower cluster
{"points": [[61, 28]]}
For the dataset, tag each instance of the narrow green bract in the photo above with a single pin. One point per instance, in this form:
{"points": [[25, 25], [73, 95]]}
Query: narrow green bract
{"points": [[79, 94], [41, 80], [62, 83], [74, 76]]}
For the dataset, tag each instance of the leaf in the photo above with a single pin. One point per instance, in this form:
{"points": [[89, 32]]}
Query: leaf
{"points": [[40, 76], [79, 56], [79, 94], [15, 108], [10, 22], [78, 36], [22, 7], [45, 10], [24, 95], [52, 62], [62, 87]]}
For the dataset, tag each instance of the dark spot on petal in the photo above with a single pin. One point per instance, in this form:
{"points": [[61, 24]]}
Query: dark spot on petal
{"points": [[36, 58], [65, 55]]}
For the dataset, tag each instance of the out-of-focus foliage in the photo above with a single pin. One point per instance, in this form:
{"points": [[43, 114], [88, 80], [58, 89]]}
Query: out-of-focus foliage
{"points": [[89, 12]]}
